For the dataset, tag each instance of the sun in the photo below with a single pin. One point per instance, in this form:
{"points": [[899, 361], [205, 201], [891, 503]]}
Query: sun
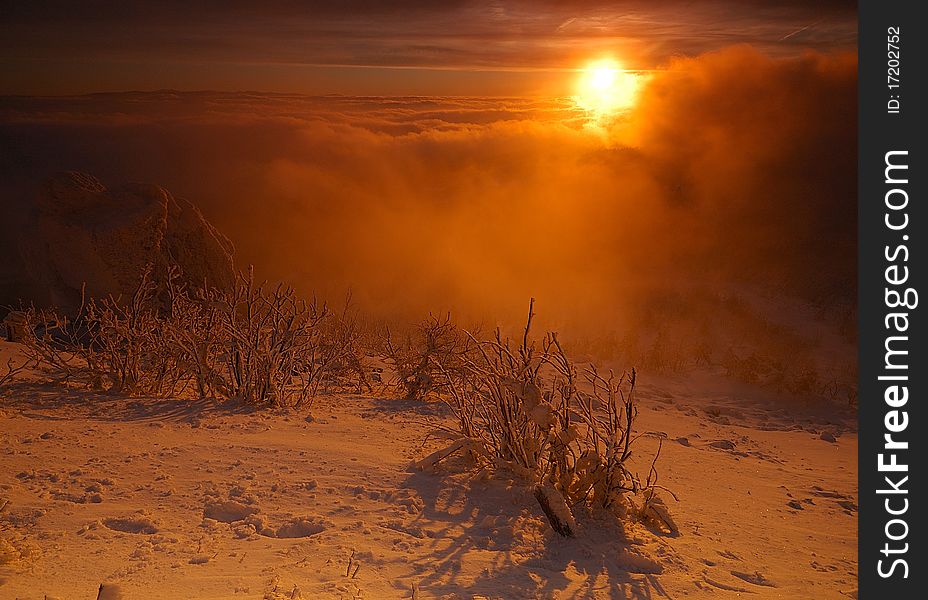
{"points": [[605, 88]]}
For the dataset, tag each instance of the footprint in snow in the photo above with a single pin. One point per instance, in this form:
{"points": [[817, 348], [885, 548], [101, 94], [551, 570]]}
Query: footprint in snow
{"points": [[756, 578], [293, 527], [722, 444], [228, 511], [138, 525]]}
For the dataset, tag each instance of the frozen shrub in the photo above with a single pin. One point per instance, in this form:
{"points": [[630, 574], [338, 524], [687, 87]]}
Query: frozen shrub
{"points": [[520, 408], [271, 335], [195, 332], [113, 344], [430, 357], [126, 343], [260, 345], [49, 340], [338, 354], [13, 368]]}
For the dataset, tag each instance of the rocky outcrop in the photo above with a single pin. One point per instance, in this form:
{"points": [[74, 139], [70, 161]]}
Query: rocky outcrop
{"points": [[82, 233]]}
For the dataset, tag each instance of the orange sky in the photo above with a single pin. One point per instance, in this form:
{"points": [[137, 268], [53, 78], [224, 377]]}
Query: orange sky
{"points": [[459, 47], [730, 165], [735, 166]]}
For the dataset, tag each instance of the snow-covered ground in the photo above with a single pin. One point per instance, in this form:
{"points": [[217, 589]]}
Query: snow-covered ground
{"points": [[184, 499]]}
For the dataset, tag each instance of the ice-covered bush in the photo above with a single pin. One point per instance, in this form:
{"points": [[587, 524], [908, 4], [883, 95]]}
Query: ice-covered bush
{"points": [[258, 344], [430, 357], [523, 407]]}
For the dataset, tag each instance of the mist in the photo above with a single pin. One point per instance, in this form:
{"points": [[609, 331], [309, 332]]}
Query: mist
{"points": [[731, 177]]}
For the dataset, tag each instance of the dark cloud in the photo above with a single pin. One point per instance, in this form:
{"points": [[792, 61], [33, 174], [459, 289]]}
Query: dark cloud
{"points": [[56, 47]]}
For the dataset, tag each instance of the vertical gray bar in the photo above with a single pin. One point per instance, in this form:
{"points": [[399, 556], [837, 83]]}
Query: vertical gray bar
{"points": [[893, 366]]}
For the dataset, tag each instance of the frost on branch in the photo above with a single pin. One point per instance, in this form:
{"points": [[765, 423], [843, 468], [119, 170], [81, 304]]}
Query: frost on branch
{"points": [[524, 409]]}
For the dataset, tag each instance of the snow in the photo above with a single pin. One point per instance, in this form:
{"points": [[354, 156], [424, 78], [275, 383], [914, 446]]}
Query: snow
{"points": [[186, 499]]}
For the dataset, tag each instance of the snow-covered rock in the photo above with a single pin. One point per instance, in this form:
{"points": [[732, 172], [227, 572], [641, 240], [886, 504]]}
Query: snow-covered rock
{"points": [[81, 232]]}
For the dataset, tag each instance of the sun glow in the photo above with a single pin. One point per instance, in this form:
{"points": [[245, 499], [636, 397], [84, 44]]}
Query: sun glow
{"points": [[604, 88]]}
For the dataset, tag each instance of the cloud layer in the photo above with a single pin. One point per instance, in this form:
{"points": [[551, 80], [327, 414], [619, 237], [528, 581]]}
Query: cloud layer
{"points": [[733, 171]]}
